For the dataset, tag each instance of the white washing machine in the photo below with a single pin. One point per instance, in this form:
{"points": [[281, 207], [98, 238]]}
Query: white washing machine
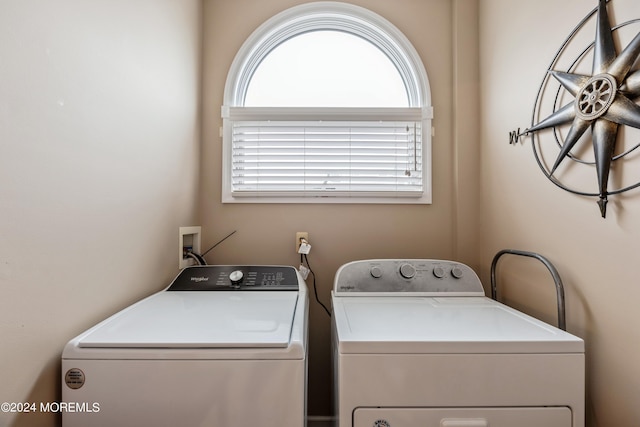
{"points": [[416, 343], [222, 346]]}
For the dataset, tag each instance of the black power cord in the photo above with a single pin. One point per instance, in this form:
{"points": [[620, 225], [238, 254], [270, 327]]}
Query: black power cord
{"points": [[303, 258], [200, 258]]}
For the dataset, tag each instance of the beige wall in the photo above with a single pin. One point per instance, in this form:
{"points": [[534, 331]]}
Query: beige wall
{"points": [[99, 151], [597, 258], [341, 233]]}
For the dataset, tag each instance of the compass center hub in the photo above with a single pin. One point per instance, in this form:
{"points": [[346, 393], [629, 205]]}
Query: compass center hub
{"points": [[596, 96]]}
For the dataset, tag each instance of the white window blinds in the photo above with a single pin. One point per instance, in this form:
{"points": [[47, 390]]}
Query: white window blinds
{"points": [[282, 153]]}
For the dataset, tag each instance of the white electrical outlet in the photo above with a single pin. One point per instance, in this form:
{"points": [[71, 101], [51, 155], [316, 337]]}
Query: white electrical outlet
{"points": [[188, 240]]}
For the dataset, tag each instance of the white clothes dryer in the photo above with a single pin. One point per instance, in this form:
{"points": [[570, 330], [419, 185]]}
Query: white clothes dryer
{"points": [[220, 346], [417, 343]]}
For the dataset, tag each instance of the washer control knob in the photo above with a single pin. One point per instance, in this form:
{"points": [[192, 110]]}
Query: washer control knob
{"points": [[438, 272], [236, 277], [376, 272], [457, 272], [407, 271]]}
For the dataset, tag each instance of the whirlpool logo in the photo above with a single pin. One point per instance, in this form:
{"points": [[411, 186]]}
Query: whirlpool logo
{"points": [[199, 279], [381, 423]]}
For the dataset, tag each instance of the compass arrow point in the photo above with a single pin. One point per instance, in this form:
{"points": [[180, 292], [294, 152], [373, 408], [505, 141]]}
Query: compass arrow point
{"points": [[602, 203], [604, 51]]}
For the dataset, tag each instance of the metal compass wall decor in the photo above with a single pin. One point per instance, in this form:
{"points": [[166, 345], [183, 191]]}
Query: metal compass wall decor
{"points": [[597, 108]]}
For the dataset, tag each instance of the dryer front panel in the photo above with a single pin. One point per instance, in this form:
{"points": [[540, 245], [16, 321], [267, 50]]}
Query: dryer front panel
{"points": [[463, 417]]}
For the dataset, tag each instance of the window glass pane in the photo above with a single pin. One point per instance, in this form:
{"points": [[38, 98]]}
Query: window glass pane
{"points": [[326, 69]]}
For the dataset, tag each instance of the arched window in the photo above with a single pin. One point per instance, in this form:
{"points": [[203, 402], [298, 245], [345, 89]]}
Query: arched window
{"points": [[327, 102]]}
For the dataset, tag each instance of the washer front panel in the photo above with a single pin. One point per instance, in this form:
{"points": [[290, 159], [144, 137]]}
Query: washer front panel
{"points": [[190, 393]]}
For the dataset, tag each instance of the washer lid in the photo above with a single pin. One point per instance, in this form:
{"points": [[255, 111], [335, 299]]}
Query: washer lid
{"points": [[199, 320], [420, 325]]}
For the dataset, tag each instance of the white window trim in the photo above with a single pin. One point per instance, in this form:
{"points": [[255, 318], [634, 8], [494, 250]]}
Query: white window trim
{"points": [[334, 16]]}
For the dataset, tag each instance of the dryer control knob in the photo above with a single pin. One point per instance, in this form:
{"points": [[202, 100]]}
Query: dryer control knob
{"points": [[438, 272], [236, 277], [457, 272], [376, 272], [407, 271]]}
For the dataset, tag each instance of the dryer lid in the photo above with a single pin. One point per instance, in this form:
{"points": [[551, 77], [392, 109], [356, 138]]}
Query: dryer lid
{"points": [[199, 320], [423, 325]]}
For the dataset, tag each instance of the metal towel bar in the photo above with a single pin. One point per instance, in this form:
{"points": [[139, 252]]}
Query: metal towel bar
{"points": [[556, 278]]}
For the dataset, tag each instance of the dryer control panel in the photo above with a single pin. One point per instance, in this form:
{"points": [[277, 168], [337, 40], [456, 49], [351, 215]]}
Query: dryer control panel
{"points": [[236, 278], [407, 277]]}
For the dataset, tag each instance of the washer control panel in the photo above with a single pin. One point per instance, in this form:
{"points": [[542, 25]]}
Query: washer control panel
{"points": [[416, 276], [236, 278]]}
